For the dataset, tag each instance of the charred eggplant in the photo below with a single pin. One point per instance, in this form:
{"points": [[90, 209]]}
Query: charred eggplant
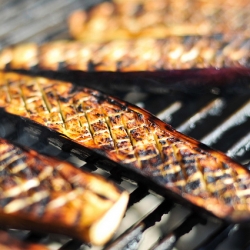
{"points": [[135, 140], [43, 193]]}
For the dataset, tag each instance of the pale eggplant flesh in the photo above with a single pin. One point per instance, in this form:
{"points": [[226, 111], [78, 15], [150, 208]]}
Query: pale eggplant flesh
{"points": [[44, 194], [133, 139]]}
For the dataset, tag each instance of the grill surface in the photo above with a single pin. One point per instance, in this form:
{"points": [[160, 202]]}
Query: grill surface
{"points": [[217, 119]]}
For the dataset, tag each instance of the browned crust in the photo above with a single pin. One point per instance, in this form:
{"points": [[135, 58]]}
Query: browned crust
{"points": [[159, 19], [10, 243], [148, 54], [134, 138], [44, 194]]}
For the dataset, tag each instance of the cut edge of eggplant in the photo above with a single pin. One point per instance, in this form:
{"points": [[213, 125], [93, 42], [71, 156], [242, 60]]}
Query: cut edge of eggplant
{"points": [[98, 232]]}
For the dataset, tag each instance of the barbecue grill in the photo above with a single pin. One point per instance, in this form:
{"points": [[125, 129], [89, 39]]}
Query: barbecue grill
{"points": [[218, 119]]}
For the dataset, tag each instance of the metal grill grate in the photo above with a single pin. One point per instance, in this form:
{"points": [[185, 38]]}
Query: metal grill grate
{"points": [[217, 119]]}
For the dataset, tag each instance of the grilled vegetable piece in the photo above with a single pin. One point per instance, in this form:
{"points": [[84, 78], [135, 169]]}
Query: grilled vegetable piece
{"points": [[43, 193], [135, 139], [10, 243], [159, 18], [148, 54]]}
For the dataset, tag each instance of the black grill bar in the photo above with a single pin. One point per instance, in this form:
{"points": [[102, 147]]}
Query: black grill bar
{"points": [[36, 237], [212, 108], [131, 238], [240, 147], [91, 162], [73, 244], [36, 21], [247, 246], [138, 194], [234, 120], [216, 238], [169, 241], [166, 114]]}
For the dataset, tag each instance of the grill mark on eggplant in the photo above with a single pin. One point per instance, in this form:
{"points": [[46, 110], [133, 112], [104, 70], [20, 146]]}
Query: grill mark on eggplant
{"points": [[42, 193], [134, 138], [144, 54]]}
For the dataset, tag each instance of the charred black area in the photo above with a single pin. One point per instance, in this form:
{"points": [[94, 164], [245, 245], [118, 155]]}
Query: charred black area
{"points": [[191, 186], [8, 182], [91, 66], [74, 89], [17, 162], [211, 179], [64, 99], [8, 159], [120, 106], [191, 169], [4, 172], [41, 206], [26, 173], [170, 178], [5, 200]]}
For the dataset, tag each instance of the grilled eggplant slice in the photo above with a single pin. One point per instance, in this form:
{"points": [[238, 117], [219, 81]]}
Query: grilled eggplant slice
{"points": [[43, 193], [192, 64], [10, 243], [158, 19], [148, 54], [135, 140]]}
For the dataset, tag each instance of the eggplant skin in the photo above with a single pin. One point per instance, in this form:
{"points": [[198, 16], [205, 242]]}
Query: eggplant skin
{"points": [[41, 193], [135, 139], [132, 55], [9, 243], [158, 18]]}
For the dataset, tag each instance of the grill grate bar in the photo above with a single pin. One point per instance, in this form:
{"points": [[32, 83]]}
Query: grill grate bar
{"points": [[138, 194], [169, 241], [247, 246], [240, 147], [166, 113], [37, 17], [216, 238], [131, 238], [211, 108], [32, 11], [235, 119], [35, 237], [72, 244]]}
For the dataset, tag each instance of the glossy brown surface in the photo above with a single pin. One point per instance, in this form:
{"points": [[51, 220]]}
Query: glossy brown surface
{"points": [[133, 138], [159, 19], [146, 54], [44, 194]]}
